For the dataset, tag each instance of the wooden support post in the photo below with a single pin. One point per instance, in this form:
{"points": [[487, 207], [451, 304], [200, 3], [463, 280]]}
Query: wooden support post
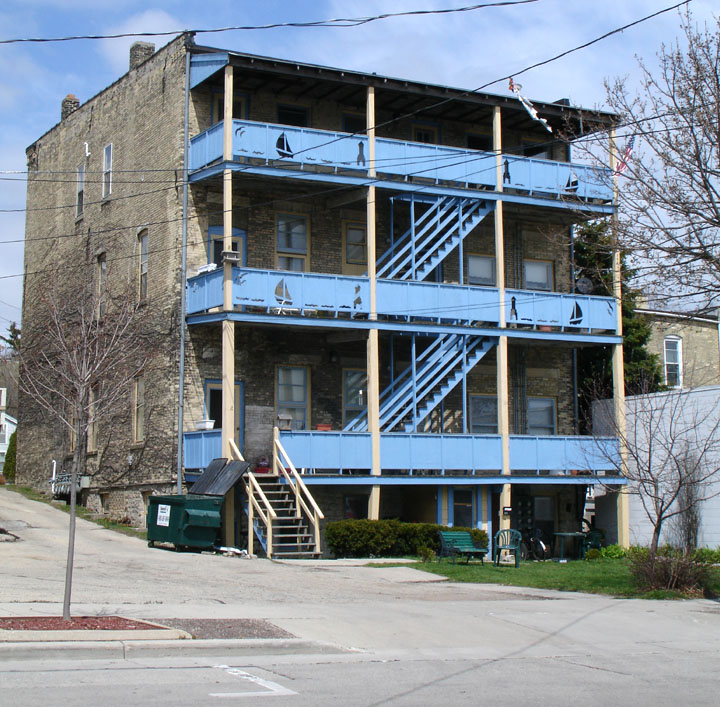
{"points": [[373, 348], [618, 363], [228, 327], [503, 397]]}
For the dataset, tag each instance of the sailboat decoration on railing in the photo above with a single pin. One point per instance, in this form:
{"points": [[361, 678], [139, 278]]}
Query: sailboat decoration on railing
{"points": [[282, 294], [283, 146], [577, 315]]}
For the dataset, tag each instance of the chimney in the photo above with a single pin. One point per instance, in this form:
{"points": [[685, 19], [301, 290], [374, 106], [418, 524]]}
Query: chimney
{"points": [[69, 105], [140, 52]]}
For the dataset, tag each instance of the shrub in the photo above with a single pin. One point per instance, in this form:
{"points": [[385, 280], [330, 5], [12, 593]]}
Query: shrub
{"points": [[9, 467], [388, 538], [613, 552], [426, 553], [672, 570], [705, 554], [593, 554]]}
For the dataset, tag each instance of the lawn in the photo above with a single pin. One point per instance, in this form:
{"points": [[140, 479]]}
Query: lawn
{"points": [[601, 576]]}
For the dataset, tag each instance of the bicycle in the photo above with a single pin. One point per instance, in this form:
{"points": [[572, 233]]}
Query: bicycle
{"points": [[532, 546]]}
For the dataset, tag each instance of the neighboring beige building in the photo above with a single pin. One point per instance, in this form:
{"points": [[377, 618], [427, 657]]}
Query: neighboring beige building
{"points": [[687, 346], [340, 285]]}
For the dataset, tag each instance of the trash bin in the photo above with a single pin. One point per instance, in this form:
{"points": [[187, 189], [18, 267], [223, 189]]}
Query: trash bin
{"points": [[184, 520]]}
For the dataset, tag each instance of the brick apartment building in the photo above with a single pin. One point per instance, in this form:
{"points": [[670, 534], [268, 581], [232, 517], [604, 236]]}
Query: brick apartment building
{"points": [[398, 301]]}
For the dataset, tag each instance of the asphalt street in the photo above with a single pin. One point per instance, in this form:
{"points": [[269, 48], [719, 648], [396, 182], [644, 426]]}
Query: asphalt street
{"points": [[363, 635]]}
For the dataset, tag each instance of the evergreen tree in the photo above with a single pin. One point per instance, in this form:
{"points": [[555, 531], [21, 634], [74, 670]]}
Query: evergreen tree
{"points": [[593, 260]]}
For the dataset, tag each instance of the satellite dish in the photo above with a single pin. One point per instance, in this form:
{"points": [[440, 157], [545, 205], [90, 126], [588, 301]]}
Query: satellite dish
{"points": [[584, 285]]}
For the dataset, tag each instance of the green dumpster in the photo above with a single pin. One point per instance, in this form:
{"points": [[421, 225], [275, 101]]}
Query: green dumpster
{"points": [[184, 520]]}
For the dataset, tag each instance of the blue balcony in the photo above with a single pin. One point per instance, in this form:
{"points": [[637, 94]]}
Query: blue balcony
{"points": [[278, 292], [284, 149], [451, 452]]}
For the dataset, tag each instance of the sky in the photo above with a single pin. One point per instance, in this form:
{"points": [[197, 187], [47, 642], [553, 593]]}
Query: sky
{"points": [[465, 49]]}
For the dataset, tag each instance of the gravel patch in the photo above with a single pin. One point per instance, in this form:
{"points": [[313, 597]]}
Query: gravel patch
{"points": [[226, 628]]}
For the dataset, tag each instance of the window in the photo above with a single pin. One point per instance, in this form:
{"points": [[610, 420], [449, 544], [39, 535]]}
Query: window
{"points": [[293, 115], [354, 394], [541, 416], [142, 265], [292, 242], [92, 427], [481, 270], [425, 133], [292, 395], [100, 280], [477, 141], [463, 508], [539, 275], [139, 410], [354, 123], [483, 415], [355, 242], [80, 196], [218, 107], [214, 407], [672, 347], [107, 171], [537, 149]]}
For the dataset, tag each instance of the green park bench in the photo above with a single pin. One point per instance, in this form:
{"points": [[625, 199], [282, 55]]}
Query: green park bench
{"points": [[460, 542]]}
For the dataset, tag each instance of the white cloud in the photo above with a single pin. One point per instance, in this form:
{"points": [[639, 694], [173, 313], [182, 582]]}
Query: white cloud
{"points": [[117, 51]]}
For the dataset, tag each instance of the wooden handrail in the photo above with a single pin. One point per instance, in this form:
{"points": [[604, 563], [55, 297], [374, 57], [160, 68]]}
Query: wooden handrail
{"points": [[296, 475], [267, 515], [235, 451]]}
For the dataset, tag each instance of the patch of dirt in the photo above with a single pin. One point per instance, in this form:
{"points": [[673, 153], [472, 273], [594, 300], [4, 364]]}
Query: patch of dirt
{"points": [[226, 628], [197, 628], [76, 623]]}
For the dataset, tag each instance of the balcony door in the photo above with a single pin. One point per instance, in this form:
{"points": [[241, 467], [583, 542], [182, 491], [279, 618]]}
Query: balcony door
{"points": [[215, 244], [213, 407]]}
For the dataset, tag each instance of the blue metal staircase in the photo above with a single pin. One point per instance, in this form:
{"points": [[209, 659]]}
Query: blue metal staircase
{"points": [[432, 236], [423, 385]]}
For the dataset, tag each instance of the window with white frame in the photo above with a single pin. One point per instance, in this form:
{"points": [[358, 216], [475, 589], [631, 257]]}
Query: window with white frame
{"points": [[539, 275], [483, 415], [293, 395], [425, 133], [672, 352], [139, 409], [481, 270], [100, 281], [107, 171], [143, 253], [80, 192], [354, 393], [541, 416], [292, 242]]}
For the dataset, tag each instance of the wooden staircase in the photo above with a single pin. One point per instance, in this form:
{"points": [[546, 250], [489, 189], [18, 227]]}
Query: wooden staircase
{"points": [[291, 535]]}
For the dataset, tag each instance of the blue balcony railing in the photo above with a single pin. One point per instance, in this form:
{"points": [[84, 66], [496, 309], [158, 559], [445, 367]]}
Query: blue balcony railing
{"points": [[282, 292], [200, 448], [449, 452], [342, 153]]}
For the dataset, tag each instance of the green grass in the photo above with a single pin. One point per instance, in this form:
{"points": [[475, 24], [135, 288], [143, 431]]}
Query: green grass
{"points": [[601, 576], [81, 511]]}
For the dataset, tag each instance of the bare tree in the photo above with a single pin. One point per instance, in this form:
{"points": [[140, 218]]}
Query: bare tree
{"points": [[669, 192], [78, 361], [672, 443]]}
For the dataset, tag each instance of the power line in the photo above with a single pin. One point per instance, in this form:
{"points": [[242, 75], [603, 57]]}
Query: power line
{"points": [[337, 22]]}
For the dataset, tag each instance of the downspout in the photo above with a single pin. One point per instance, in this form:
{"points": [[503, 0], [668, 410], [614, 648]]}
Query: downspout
{"points": [[576, 405], [183, 273]]}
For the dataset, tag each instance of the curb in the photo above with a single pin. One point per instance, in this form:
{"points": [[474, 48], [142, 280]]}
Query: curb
{"points": [[129, 649], [154, 634]]}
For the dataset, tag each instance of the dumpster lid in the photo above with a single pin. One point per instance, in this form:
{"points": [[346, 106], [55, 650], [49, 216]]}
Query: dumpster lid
{"points": [[218, 479]]}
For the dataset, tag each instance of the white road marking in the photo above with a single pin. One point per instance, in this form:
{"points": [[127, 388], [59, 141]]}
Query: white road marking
{"points": [[272, 689]]}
